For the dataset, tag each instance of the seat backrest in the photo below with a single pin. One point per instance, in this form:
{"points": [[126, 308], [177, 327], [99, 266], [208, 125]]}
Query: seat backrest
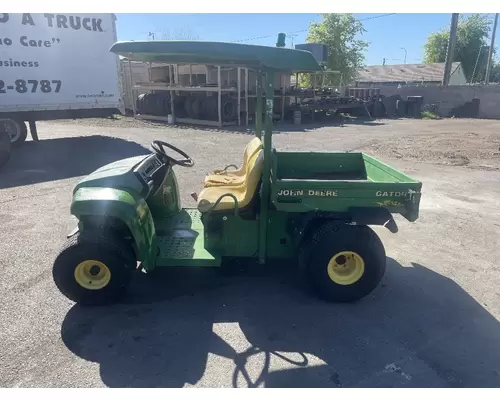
{"points": [[253, 174], [252, 148]]}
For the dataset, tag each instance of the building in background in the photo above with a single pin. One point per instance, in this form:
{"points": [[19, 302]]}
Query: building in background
{"points": [[409, 74]]}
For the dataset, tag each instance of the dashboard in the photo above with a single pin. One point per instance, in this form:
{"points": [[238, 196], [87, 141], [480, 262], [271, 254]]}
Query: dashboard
{"points": [[148, 170]]}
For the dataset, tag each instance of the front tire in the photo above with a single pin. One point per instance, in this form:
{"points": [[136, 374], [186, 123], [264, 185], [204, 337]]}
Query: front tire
{"points": [[94, 269], [343, 263]]}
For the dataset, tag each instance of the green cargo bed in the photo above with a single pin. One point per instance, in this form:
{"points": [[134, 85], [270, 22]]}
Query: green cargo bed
{"points": [[336, 182]]}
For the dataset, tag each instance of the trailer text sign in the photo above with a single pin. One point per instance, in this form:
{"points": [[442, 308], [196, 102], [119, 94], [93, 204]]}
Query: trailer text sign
{"points": [[57, 61]]}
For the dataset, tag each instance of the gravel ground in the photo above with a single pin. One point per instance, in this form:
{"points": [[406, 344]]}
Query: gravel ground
{"points": [[434, 321]]}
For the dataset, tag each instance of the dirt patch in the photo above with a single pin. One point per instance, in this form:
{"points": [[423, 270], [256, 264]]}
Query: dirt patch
{"points": [[471, 149], [453, 142]]}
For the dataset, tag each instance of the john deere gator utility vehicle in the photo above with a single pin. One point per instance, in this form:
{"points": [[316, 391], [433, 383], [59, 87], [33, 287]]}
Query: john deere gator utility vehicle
{"points": [[312, 208]]}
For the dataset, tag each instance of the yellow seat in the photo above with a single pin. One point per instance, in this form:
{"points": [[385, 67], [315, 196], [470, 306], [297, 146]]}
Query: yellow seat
{"points": [[223, 177], [243, 193]]}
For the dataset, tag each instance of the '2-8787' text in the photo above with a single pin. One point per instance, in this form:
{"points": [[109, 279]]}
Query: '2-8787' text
{"points": [[31, 86]]}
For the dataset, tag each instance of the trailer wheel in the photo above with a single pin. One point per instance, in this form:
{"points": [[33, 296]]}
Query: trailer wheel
{"points": [[16, 130], [5, 147], [343, 263], [94, 268]]}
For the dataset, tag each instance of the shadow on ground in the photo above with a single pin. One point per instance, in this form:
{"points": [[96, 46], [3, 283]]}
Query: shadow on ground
{"points": [[418, 329], [54, 159]]}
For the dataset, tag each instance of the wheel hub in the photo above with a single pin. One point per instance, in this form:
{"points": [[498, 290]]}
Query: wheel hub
{"points": [[92, 275], [94, 270], [12, 129], [346, 268]]}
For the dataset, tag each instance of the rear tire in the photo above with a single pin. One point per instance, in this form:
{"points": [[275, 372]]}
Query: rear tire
{"points": [[5, 147], [16, 129], [94, 268], [343, 263]]}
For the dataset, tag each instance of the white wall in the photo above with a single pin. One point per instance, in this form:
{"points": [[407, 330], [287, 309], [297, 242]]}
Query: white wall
{"points": [[451, 97]]}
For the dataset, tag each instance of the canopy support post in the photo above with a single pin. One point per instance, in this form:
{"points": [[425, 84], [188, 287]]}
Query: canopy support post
{"points": [[172, 92], [238, 86], [246, 95], [219, 95], [283, 85], [258, 108], [266, 173], [131, 88]]}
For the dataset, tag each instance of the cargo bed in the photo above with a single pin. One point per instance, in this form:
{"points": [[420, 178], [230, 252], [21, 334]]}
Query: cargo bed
{"points": [[336, 182]]}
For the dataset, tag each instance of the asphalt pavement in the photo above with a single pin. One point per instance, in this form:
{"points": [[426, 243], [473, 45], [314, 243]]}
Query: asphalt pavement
{"points": [[433, 322]]}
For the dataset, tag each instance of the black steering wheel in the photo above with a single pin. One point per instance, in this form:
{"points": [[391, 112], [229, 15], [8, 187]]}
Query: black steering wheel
{"points": [[158, 147]]}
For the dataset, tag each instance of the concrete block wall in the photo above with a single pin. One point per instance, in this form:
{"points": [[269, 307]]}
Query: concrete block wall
{"points": [[447, 98]]}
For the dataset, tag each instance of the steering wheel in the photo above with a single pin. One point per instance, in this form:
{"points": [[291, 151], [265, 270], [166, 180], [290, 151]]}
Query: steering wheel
{"points": [[158, 147]]}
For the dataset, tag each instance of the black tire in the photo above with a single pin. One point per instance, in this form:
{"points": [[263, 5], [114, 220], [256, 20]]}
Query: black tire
{"points": [[197, 107], [211, 108], [229, 109], [5, 147], [140, 103], [113, 252], [188, 106], [16, 129], [332, 238]]}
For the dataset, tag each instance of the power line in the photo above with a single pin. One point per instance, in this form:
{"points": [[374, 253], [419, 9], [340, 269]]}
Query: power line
{"points": [[305, 30]]}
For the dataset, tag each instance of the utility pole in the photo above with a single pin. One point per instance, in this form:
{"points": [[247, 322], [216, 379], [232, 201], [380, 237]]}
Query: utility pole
{"points": [[451, 49], [402, 48], [490, 54], [292, 38]]}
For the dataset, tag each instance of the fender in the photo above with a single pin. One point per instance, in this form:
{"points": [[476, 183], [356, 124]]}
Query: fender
{"points": [[300, 225], [126, 206], [373, 216]]}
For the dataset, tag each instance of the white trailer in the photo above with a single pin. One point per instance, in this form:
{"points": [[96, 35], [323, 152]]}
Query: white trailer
{"points": [[56, 66]]}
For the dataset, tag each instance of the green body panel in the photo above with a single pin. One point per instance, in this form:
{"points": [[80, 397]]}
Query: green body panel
{"points": [[114, 175], [336, 182], [231, 236], [279, 237], [167, 200], [218, 53], [127, 206], [181, 241]]}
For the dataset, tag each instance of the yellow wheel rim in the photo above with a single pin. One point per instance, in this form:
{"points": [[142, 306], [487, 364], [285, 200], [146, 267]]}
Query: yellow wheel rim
{"points": [[92, 275], [346, 268]]}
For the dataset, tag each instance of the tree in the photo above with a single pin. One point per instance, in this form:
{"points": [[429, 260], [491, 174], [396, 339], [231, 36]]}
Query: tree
{"points": [[345, 52], [471, 47], [495, 72]]}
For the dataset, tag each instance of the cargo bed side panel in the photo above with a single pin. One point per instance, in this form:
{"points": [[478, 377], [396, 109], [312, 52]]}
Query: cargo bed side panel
{"points": [[392, 189]]}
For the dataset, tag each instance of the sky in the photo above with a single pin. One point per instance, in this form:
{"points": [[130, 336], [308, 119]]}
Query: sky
{"points": [[388, 35]]}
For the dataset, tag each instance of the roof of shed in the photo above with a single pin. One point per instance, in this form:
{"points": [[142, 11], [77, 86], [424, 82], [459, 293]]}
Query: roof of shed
{"points": [[404, 72], [218, 53]]}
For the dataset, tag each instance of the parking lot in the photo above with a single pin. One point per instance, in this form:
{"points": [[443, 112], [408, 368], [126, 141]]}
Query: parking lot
{"points": [[434, 321]]}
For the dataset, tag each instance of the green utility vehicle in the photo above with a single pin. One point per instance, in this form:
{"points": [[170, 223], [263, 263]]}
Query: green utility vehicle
{"points": [[310, 208]]}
